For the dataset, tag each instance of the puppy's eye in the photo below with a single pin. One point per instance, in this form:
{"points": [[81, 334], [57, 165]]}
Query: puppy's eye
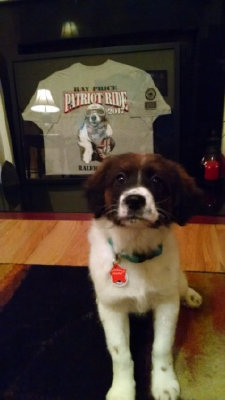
{"points": [[156, 180], [121, 178], [159, 186]]}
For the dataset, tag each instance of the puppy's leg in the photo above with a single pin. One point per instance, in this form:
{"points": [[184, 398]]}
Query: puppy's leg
{"points": [[164, 382], [189, 297], [117, 332], [85, 143]]}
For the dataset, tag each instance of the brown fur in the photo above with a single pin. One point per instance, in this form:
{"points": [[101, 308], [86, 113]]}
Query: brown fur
{"points": [[181, 198]]}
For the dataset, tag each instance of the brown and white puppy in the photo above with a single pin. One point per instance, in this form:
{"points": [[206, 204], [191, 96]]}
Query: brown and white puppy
{"points": [[134, 261]]}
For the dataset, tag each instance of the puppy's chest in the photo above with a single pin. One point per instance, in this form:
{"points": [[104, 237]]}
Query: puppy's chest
{"points": [[142, 276], [137, 285], [132, 286]]}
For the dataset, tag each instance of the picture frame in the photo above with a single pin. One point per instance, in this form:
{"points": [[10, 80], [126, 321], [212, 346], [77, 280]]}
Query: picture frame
{"points": [[162, 61]]}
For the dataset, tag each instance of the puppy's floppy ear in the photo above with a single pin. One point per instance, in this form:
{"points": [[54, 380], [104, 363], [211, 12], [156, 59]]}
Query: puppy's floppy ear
{"points": [[187, 197], [95, 189]]}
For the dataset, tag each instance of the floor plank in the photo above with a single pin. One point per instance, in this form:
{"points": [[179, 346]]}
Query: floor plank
{"points": [[44, 242], [59, 242], [202, 247]]}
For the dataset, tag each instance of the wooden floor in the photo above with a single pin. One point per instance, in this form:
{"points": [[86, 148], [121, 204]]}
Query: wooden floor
{"points": [[202, 247], [63, 242]]}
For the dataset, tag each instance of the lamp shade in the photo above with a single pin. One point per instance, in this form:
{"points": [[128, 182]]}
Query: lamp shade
{"points": [[44, 102]]}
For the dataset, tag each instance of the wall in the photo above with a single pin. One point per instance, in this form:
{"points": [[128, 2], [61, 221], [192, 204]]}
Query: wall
{"points": [[223, 132]]}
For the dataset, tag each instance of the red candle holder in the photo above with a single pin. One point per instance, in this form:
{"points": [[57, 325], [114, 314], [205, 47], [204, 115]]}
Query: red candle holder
{"points": [[211, 170]]}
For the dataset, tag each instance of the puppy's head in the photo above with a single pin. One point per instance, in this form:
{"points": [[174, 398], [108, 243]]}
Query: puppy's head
{"points": [[95, 114], [134, 189]]}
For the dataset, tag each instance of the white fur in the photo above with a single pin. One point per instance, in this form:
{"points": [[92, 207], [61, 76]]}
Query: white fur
{"points": [[156, 284], [149, 211]]}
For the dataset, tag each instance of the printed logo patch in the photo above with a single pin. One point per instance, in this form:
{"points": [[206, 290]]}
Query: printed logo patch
{"points": [[150, 94], [150, 105]]}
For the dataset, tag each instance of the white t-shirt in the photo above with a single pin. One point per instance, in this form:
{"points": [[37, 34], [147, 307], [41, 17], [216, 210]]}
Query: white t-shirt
{"points": [[105, 109]]}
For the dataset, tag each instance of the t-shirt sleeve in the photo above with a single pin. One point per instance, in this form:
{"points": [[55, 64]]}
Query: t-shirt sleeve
{"points": [[147, 100]]}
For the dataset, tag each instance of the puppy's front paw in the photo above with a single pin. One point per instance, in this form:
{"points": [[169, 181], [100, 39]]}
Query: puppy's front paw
{"points": [[121, 391], [192, 299], [87, 157], [165, 385]]}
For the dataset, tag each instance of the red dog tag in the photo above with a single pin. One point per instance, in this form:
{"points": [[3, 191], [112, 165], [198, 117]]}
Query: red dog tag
{"points": [[119, 275]]}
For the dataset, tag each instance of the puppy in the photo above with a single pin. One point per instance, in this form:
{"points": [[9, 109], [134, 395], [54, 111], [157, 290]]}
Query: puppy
{"points": [[95, 136], [134, 261]]}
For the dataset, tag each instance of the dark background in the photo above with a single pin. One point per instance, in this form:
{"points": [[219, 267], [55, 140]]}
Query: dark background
{"points": [[34, 27]]}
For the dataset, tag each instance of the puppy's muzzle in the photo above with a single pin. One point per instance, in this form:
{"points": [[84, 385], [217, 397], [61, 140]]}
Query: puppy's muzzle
{"points": [[135, 202], [93, 118]]}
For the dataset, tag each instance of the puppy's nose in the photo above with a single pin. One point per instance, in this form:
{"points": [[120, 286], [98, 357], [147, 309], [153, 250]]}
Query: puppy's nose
{"points": [[93, 118], [135, 201]]}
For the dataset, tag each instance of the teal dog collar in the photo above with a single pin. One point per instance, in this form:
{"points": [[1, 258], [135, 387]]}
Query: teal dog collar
{"points": [[138, 258]]}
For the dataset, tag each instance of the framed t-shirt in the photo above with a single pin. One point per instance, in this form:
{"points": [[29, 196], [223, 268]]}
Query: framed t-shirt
{"points": [[102, 110], [108, 100]]}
